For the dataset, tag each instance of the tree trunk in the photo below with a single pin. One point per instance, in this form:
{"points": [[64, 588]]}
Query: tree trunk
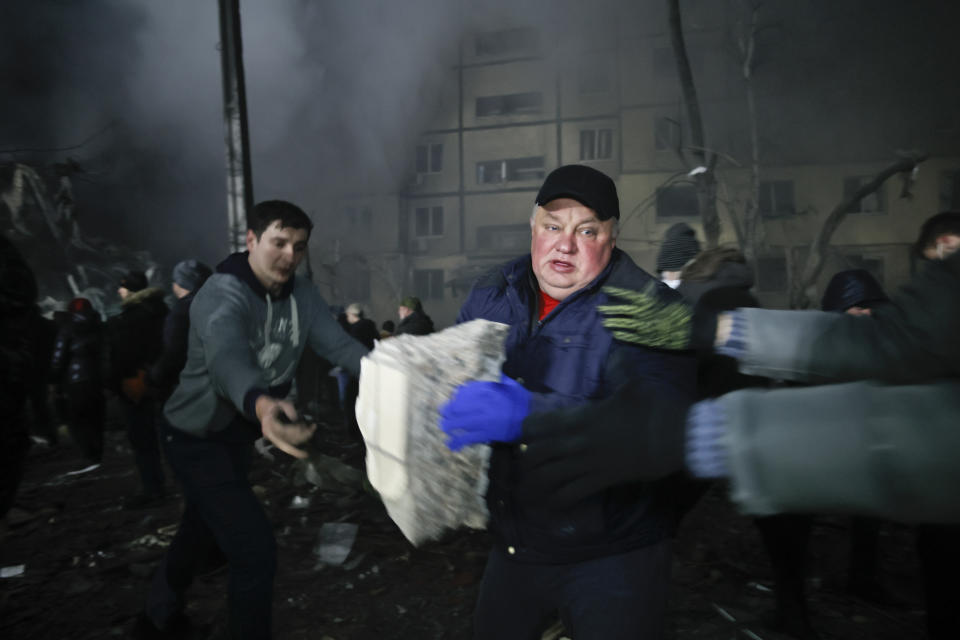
{"points": [[753, 230], [706, 181]]}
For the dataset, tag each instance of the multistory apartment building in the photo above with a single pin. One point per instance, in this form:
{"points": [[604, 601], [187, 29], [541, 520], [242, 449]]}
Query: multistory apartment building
{"points": [[527, 96]]}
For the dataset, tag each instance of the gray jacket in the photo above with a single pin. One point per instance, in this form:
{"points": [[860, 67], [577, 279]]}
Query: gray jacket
{"points": [[860, 448], [867, 447], [244, 342]]}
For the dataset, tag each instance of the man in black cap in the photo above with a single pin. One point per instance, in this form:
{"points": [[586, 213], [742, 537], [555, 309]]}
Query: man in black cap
{"points": [[604, 563], [135, 339]]}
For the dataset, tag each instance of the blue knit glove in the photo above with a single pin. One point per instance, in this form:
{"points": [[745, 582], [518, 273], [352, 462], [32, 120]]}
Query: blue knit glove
{"points": [[485, 412]]}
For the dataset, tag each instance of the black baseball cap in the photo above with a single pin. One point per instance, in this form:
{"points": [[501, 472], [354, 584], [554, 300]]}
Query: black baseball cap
{"points": [[584, 184]]}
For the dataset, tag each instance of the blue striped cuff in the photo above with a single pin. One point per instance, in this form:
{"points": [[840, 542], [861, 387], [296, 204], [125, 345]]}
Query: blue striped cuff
{"points": [[736, 344], [706, 455]]}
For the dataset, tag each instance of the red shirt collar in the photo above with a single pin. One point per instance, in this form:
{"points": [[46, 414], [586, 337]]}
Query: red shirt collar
{"points": [[547, 304]]}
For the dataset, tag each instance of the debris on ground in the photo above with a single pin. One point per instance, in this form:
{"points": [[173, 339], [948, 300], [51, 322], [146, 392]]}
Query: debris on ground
{"points": [[87, 564]]}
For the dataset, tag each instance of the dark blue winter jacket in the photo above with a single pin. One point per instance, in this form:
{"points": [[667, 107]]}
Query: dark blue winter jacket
{"points": [[568, 359]]}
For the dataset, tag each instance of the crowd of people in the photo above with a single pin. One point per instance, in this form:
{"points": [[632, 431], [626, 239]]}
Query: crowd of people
{"points": [[74, 358], [623, 395]]}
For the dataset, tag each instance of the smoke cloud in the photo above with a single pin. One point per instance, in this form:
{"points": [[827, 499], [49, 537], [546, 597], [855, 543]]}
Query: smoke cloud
{"points": [[338, 92]]}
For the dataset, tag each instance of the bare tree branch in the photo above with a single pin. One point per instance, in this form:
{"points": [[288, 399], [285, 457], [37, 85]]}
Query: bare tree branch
{"points": [[819, 246]]}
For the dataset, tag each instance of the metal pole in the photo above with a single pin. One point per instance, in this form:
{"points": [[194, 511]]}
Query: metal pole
{"points": [[239, 175]]}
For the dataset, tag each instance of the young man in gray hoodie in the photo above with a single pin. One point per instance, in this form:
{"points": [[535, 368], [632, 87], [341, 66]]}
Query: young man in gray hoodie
{"points": [[249, 325]]}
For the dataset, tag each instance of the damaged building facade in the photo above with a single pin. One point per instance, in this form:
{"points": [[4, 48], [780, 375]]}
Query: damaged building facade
{"points": [[514, 107]]}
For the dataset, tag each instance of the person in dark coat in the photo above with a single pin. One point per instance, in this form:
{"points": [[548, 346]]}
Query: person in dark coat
{"points": [[135, 339], [856, 292], [413, 320], [361, 328], [76, 368], [18, 295], [44, 336], [364, 331], [678, 248], [188, 277], [603, 563]]}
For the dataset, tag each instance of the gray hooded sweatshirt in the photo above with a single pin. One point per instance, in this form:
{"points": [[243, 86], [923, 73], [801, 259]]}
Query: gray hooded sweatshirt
{"points": [[244, 342]]}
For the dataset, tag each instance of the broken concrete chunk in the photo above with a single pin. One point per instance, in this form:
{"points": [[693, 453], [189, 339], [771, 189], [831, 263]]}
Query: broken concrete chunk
{"points": [[14, 571], [335, 542], [426, 488]]}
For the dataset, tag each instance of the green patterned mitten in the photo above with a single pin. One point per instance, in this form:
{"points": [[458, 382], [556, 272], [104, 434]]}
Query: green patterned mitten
{"points": [[641, 317]]}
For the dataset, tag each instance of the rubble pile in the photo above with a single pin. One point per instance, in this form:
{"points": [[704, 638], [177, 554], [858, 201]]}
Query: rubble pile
{"points": [[41, 221]]}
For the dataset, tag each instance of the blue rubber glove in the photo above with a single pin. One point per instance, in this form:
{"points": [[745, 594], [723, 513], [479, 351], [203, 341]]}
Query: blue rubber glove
{"points": [[485, 412]]}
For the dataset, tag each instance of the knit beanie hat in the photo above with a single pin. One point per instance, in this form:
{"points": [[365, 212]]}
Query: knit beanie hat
{"points": [[679, 247], [191, 274]]}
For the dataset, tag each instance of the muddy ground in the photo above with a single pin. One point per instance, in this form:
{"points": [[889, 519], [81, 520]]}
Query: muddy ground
{"points": [[87, 562]]}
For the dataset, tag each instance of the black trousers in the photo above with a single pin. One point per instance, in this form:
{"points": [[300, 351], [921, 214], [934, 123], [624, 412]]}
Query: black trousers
{"points": [[14, 444], [938, 546], [85, 415], [142, 432], [616, 597], [221, 515]]}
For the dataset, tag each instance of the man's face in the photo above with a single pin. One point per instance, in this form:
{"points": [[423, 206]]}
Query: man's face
{"points": [[179, 291], [569, 247], [403, 311], [275, 256], [123, 292], [858, 311], [945, 245]]}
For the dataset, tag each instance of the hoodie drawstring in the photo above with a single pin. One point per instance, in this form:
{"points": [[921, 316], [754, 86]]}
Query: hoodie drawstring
{"points": [[271, 351]]}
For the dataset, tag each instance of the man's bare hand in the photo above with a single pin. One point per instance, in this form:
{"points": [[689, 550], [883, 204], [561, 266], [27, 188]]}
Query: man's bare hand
{"points": [[724, 326], [282, 426]]}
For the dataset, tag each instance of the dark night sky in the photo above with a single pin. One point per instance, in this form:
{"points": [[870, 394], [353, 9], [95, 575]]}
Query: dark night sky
{"points": [[338, 90]]}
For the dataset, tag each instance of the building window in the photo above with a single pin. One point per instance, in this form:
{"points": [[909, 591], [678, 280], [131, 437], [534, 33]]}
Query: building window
{"points": [[513, 170], [872, 264], [428, 283], [677, 201], [666, 134], [870, 203], [429, 158], [776, 199], [950, 191], [772, 274], [510, 104], [506, 238], [596, 144], [523, 40], [428, 221]]}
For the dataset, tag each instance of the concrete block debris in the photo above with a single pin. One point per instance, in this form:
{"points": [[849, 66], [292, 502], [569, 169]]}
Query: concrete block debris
{"points": [[426, 488], [335, 542]]}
